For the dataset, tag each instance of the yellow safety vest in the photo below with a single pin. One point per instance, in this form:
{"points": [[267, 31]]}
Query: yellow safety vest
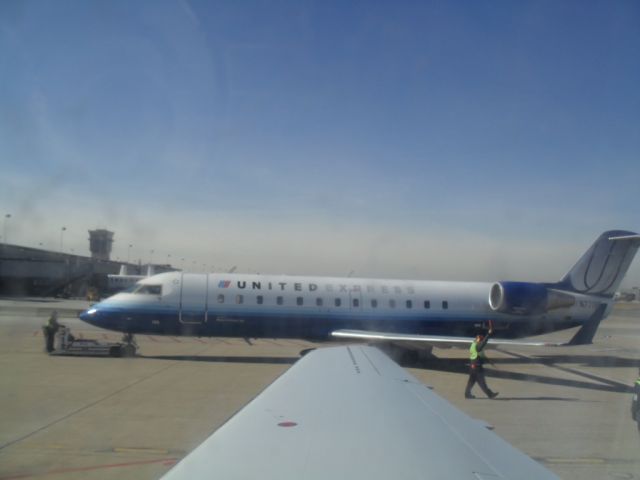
{"points": [[473, 352]]}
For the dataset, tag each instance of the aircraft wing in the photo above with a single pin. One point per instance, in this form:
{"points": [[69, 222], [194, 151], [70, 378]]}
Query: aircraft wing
{"points": [[432, 340], [349, 412]]}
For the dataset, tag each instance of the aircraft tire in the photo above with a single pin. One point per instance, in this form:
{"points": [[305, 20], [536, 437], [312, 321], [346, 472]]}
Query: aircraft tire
{"points": [[128, 351]]}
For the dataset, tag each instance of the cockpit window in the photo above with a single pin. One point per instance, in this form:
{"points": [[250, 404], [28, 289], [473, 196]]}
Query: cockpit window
{"points": [[149, 289]]}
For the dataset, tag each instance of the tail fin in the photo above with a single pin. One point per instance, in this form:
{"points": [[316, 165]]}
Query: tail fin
{"points": [[601, 269]]}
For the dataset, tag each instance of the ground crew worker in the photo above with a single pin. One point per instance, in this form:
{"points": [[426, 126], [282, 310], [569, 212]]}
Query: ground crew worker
{"points": [[50, 330], [635, 402], [477, 358]]}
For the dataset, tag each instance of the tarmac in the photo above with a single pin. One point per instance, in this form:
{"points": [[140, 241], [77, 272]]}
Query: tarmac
{"points": [[133, 418]]}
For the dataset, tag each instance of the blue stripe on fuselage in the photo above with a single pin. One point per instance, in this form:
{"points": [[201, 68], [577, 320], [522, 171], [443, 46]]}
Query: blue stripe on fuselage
{"points": [[281, 323]]}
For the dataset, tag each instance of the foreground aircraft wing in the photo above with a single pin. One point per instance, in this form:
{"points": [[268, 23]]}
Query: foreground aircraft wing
{"points": [[350, 412], [433, 340]]}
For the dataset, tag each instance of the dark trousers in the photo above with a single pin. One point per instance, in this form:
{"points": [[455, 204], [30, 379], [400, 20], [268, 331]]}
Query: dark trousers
{"points": [[476, 374], [48, 337]]}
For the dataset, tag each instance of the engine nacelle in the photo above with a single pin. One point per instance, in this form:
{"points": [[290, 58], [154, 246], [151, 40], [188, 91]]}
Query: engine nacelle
{"points": [[520, 298], [523, 298]]}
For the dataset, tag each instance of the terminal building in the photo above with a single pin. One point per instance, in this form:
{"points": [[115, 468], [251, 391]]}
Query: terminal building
{"points": [[26, 271]]}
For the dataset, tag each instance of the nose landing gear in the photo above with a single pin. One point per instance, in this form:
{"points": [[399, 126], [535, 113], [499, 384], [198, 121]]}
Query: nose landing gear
{"points": [[129, 347]]}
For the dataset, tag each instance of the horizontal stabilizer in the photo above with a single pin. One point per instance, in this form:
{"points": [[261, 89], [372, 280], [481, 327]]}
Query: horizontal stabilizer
{"points": [[634, 237]]}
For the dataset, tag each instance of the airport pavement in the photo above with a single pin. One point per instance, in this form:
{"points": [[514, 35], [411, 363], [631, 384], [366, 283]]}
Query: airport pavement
{"points": [[98, 418]]}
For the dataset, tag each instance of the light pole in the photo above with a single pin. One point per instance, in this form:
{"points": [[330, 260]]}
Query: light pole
{"points": [[62, 230], [151, 257], [4, 227], [129, 252]]}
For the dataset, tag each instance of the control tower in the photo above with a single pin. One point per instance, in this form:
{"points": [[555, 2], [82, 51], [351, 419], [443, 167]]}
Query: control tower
{"points": [[100, 244]]}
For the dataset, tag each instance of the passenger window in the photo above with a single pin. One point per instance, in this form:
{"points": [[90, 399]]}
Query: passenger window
{"points": [[374, 303], [279, 300], [220, 298], [259, 299], [299, 301], [445, 305], [427, 304], [392, 303], [337, 302], [356, 303], [409, 304], [319, 301], [239, 299]]}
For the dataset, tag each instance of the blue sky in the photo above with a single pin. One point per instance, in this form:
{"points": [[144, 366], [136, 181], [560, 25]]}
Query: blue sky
{"points": [[424, 139]]}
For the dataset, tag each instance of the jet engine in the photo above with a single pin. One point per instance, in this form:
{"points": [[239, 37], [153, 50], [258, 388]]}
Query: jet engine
{"points": [[523, 298]]}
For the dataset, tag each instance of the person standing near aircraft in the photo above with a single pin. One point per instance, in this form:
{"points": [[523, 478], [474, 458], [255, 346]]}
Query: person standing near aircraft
{"points": [[477, 358], [635, 401], [50, 330]]}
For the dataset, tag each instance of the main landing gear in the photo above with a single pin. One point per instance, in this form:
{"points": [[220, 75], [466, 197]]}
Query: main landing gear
{"points": [[407, 356]]}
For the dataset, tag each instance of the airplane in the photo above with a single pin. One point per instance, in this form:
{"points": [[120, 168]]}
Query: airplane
{"points": [[405, 312], [384, 423], [351, 412]]}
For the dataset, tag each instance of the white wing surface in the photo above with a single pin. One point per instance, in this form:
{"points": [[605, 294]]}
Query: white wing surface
{"points": [[432, 340], [351, 413]]}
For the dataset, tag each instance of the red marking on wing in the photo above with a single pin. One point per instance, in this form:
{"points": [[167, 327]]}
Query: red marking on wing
{"points": [[287, 424]]}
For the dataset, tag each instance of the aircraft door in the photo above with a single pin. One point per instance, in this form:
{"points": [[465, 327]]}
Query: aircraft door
{"points": [[193, 298]]}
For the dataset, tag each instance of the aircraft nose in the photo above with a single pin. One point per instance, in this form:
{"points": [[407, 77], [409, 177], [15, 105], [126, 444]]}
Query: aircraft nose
{"points": [[88, 315]]}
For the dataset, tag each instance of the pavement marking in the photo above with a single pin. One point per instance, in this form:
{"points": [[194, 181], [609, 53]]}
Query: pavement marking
{"points": [[163, 461], [585, 460], [154, 451], [48, 446], [89, 405], [68, 449]]}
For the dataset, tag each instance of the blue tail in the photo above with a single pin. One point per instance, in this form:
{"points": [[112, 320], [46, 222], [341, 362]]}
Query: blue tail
{"points": [[601, 269]]}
